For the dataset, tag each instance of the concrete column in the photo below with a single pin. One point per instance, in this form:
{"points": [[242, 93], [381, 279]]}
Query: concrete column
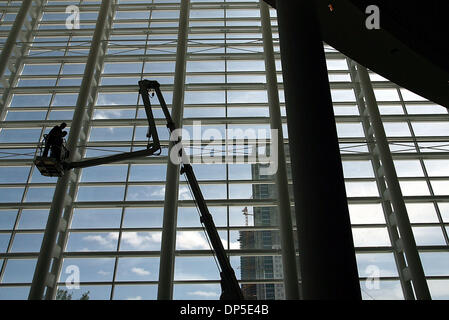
{"points": [[326, 248], [285, 221], [408, 244], [168, 245], [49, 249]]}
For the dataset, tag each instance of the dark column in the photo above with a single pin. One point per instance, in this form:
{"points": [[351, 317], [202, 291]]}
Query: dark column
{"points": [[326, 247]]}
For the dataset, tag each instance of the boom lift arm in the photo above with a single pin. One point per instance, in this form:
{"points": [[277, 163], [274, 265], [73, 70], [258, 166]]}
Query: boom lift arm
{"points": [[229, 284]]}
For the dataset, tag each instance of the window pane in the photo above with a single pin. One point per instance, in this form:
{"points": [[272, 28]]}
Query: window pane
{"points": [[366, 213], [96, 218], [435, 264], [4, 242], [145, 193], [39, 194], [96, 269], [138, 269], [421, 212], [361, 189], [27, 242], [143, 241], [414, 188], [382, 262], [100, 193], [437, 168], [19, 135], [358, 169], [370, 237], [186, 268], [111, 134], [143, 218], [35, 100], [11, 194], [92, 241], [426, 236], [14, 174], [430, 128], [7, 219], [19, 271], [33, 219], [136, 292], [153, 172], [408, 168], [104, 173], [196, 291]]}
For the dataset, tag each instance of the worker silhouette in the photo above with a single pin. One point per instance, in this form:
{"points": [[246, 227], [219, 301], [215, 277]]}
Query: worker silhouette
{"points": [[54, 141]]}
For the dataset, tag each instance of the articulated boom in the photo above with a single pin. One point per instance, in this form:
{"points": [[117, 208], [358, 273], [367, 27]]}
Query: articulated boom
{"points": [[57, 167]]}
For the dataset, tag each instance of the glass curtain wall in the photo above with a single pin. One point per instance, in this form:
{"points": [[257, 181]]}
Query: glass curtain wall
{"points": [[115, 230]]}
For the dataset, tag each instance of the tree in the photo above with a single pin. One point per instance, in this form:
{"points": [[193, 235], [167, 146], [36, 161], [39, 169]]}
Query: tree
{"points": [[65, 295], [85, 296]]}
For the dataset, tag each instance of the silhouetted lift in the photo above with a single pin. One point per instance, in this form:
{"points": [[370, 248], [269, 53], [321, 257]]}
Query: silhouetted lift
{"points": [[57, 167]]}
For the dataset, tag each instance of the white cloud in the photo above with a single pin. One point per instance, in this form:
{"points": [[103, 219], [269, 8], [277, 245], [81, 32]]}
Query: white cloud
{"points": [[133, 239], [189, 240], [189, 276], [364, 237], [234, 245], [159, 193], [184, 194], [140, 271], [203, 293], [107, 114], [385, 292], [103, 273], [439, 289], [134, 298], [194, 240], [141, 241], [107, 241]]}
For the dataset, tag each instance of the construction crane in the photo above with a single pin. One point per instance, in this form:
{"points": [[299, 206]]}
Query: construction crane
{"points": [[49, 166], [246, 214]]}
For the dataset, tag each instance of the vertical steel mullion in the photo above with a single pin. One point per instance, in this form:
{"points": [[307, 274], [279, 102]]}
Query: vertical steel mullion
{"points": [[284, 211], [225, 48], [76, 174], [399, 258], [46, 254], [168, 242], [408, 243]]}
